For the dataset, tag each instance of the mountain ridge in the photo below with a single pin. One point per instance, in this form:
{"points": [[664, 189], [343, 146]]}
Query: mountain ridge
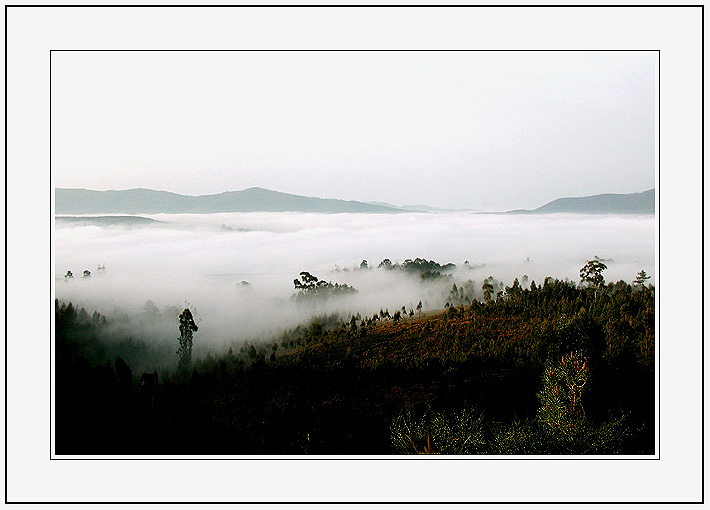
{"points": [[605, 203], [255, 199]]}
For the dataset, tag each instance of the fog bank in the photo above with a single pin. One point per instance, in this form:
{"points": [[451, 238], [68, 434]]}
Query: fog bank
{"points": [[201, 261]]}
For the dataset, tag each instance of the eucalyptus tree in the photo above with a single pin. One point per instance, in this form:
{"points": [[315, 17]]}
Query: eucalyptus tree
{"points": [[591, 273]]}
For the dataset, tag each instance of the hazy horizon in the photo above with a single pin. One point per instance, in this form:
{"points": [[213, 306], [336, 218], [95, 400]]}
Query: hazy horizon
{"points": [[200, 260], [485, 131], [467, 130], [404, 204]]}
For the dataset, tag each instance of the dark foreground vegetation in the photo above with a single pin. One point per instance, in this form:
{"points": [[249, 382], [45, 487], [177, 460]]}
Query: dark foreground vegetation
{"points": [[554, 368]]}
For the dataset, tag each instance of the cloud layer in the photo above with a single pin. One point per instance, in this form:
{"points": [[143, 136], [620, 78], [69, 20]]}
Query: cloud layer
{"points": [[201, 260]]}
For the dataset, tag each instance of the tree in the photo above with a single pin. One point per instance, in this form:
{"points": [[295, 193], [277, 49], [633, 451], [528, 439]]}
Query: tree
{"points": [[386, 263], [515, 292], [487, 291], [69, 275], [87, 273], [312, 287], [187, 328], [561, 408], [641, 278], [309, 281], [591, 273]]}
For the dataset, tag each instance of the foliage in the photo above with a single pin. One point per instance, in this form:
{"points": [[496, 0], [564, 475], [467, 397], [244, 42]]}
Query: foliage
{"points": [[561, 395], [438, 433], [517, 438], [641, 278], [426, 269], [187, 328], [364, 385], [311, 287], [591, 273]]}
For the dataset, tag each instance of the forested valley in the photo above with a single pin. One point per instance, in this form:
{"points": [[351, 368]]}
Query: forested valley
{"points": [[555, 367]]}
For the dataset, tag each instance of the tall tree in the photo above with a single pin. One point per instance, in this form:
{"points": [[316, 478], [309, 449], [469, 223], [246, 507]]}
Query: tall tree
{"points": [[487, 291], [591, 273], [641, 278], [187, 328]]}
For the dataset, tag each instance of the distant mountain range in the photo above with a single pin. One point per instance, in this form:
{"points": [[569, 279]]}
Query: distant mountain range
{"points": [[608, 203], [145, 201], [420, 208], [104, 221]]}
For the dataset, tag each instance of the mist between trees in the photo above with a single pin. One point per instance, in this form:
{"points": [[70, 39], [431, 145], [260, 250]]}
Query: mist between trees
{"points": [[297, 339], [230, 311], [567, 329], [203, 260]]}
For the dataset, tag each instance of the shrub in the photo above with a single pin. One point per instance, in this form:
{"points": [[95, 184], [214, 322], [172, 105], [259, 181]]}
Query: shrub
{"points": [[438, 433]]}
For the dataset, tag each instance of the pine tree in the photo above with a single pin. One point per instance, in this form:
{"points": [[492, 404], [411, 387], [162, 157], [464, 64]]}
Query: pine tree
{"points": [[561, 396], [641, 278]]}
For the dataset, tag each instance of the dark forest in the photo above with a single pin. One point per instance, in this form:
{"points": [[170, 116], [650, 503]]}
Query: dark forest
{"points": [[528, 369]]}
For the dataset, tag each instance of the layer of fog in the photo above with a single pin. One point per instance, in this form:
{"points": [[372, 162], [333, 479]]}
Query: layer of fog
{"points": [[200, 261]]}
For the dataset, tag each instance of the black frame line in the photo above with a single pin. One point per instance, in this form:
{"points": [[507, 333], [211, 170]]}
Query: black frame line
{"points": [[658, 272], [702, 246], [50, 285], [357, 5]]}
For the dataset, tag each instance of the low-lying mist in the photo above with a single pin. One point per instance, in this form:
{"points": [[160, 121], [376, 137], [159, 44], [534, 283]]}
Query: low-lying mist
{"points": [[236, 271]]}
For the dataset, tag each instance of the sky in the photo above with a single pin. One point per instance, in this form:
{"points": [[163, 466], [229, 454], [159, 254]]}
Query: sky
{"points": [[479, 130]]}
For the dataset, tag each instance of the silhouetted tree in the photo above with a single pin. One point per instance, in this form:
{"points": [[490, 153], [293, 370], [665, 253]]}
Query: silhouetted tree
{"points": [[187, 328], [641, 278], [591, 273], [487, 290], [311, 287], [386, 263]]}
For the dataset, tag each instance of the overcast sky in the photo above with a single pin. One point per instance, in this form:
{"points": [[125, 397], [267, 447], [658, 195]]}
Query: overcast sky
{"points": [[481, 130]]}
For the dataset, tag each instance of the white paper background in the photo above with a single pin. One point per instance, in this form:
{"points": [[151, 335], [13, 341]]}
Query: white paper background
{"points": [[32, 476]]}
